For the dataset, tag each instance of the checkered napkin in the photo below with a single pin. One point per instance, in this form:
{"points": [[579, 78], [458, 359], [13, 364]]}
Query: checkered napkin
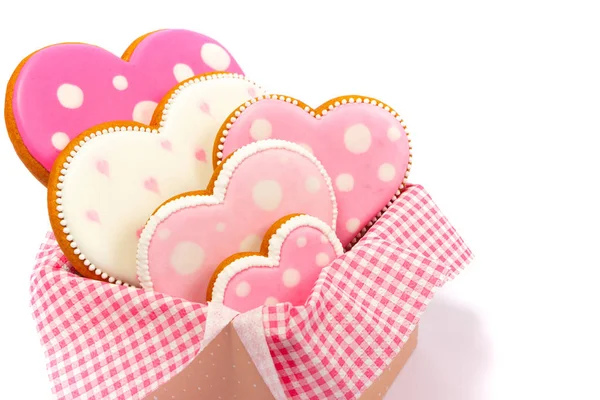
{"points": [[104, 341]]}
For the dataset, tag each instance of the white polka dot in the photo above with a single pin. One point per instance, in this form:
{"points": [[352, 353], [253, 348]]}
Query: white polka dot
{"points": [[182, 72], [344, 182], [215, 56], [322, 259], [250, 243], [394, 134], [291, 277], [120, 82], [70, 96], [306, 147], [301, 241], [386, 172], [267, 195], [353, 224], [312, 184], [187, 257], [324, 239], [164, 233], [220, 227], [261, 129], [243, 289], [271, 301], [60, 140], [357, 139], [143, 111]]}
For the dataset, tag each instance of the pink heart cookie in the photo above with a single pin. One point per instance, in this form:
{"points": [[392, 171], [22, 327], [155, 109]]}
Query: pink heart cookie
{"points": [[291, 258], [108, 181], [188, 236], [61, 90], [361, 142]]}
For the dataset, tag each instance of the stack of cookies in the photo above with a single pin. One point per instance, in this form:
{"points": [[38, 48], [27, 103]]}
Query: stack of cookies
{"points": [[168, 169]]}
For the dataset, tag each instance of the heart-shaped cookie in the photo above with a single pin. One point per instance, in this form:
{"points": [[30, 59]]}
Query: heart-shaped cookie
{"points": [[109, 180], [61, 90], [292, 255], [361, 142], [189, 236]]}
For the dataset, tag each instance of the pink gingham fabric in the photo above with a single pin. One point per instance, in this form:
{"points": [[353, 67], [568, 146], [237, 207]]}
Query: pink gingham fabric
{"points": [[104, 341], [366, 304]]}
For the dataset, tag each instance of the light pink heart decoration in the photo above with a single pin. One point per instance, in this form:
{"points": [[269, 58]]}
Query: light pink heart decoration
{"points": [[152, 185], [166, 145], [54, 98], [188, 237], [361, 142], [103, 167], [93, 216], [298, 249], [201, 155]]}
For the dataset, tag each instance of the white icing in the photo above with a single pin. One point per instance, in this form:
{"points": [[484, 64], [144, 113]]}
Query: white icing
{"points": [[267, 195], [276, 241], [243, 289], [322, 259], [357, 139], [260, 129], [69, 96], [60, 140], [386, 172], [344, 182], [353, 224], [251, 243], [271, 301], [394, 134], [182, 72], [120, 82], [312, 184], [291, 277], [143, 111], [215, 56], [221, 184], [140, 169], [301, 241], [187, 257]]}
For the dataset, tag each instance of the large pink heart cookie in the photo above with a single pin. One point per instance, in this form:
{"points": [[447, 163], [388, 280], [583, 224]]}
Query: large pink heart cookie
{"points": [[189, 236], [291, 258], [61, 90], [107, 182], [361, 142]]}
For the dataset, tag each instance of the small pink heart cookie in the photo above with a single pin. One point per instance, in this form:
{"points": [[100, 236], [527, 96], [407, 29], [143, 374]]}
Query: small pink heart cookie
{"points": [[292, 255], [190, 235], [61, 90], [361, 142]]}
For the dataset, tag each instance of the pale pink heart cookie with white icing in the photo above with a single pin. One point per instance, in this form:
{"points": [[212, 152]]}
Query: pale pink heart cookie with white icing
{"points": [[189, 236], [362, 143], [109, 180], [61, 90], [292, 256]]}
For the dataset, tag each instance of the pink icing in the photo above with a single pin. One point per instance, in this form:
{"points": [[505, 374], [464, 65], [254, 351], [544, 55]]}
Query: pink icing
{"points": [[102, 87], [188, 244], [303, 255], [363, 147]]}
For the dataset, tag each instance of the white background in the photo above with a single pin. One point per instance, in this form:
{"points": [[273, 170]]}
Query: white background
{"points": [[503, 103]]}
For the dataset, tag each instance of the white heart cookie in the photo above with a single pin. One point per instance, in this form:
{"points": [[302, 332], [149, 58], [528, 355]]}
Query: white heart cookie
{"points": [[110, 179]]}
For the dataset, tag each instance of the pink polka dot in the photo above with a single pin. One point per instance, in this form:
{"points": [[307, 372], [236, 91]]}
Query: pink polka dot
{"points": [[291, 277], [267, 195]]}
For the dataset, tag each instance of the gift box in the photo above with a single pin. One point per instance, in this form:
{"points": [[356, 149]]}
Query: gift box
{"points": [[349, 341]]}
